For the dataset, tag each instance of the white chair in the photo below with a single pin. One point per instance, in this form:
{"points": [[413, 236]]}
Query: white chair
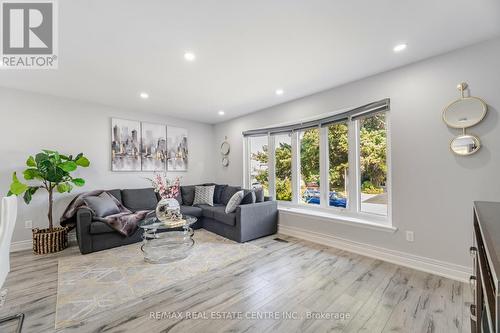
{"points": [[7, 223]]}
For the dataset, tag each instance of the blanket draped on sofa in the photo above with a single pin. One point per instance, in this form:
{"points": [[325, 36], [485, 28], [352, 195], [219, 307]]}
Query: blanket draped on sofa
{"points": [[125, 222]]}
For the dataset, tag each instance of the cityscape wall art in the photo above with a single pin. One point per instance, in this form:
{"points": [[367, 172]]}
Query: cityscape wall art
{"points": [[177, 149], [149, 147], [153, 147]]}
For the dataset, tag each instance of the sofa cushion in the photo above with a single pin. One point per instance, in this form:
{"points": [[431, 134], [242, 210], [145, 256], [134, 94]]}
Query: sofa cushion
{"points": [[219, 189], [259, 194], [102, 205], [208, 211], [220, 215], [234, 202], [228, 192], [116, 193], [187, 193], [248, 197], [97, 227], [139, 199], [191, 210], [204, 195]]}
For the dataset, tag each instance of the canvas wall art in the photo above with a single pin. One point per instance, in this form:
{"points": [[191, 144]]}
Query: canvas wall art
{"points": [[177, 149], [125, 145], [153, 147]]}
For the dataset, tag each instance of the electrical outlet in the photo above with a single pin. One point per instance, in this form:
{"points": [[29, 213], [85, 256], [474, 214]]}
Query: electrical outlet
{"points": [[410, 236], [28, 224]]}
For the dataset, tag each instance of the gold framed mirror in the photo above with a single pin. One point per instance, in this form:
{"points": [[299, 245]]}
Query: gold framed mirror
{"points": [[465, 112], [225, 148], [465, 145]]}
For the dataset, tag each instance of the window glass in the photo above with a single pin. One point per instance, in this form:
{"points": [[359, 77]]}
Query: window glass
{"points": [[338, 151], [283, 166], [309, 167], [373, 164], [259, 176]]}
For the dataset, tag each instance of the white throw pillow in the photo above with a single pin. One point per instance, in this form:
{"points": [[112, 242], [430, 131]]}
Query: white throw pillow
{"points": [[204, 195], [234, 202]]}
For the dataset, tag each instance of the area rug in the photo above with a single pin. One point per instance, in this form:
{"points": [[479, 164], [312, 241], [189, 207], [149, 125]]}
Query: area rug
{"points": [[97, 282]]}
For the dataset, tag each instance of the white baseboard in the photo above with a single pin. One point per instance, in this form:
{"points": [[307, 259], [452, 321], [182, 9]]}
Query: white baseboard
{"points": [[428, 265], [28, 244], [21, 245]]}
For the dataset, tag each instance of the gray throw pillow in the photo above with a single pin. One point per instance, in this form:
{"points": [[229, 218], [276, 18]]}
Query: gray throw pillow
{"points": [[187, 193], [234, 202], [248, 198], [204, 195], [102, 205], [259, 194], [219, 189], [228, 193]]}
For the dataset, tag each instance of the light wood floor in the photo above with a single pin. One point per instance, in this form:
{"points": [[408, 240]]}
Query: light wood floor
{"points": [[292, 278]]}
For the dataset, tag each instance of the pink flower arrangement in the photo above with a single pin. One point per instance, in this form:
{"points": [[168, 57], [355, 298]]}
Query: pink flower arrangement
{"points": [[165, 187]]}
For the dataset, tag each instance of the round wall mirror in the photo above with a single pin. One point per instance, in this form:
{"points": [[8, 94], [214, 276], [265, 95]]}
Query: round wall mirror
{"points": [[465, 145], [225, 148], [465, 112]]}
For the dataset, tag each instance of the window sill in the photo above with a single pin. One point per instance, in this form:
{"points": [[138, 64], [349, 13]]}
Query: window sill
{"points": [[338, 218]]}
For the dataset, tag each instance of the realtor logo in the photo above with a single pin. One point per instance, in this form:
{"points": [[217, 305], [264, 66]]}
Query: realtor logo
{"points": [[29, 38]]}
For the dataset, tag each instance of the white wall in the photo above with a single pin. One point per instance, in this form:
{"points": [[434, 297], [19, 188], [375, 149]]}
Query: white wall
{"points": [[30, 122], [433, 190]]}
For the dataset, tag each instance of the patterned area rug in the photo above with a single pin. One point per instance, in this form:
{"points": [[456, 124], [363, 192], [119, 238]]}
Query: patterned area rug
{"points": [[97, 282]]}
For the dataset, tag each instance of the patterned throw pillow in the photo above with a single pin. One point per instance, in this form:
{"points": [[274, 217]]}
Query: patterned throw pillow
{"points": [[234, 202], [204, 195]]}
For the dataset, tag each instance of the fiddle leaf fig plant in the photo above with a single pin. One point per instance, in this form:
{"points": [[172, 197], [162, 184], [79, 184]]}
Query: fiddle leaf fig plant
{"points": [[52, 172]]}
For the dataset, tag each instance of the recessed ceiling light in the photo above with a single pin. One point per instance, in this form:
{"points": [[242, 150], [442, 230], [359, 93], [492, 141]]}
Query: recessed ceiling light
{"points": [[280, 92], [144, 95], [189, 56], [221, 112], [400, 47]]}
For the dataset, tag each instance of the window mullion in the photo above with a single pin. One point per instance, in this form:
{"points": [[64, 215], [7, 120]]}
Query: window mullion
{"points": [[246, 162], [354, 174], [295, 168], [324, 180], [271, 164]]}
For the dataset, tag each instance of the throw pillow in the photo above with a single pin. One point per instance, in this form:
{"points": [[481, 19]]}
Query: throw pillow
{"points": [[248, 198], [259, 194], [102, 205], [219, 189], [187, 193], [228, 193], [234, 202], [204, 195]]}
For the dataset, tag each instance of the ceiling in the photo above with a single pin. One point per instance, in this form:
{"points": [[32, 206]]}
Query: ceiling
{"points": [[111, 51]]}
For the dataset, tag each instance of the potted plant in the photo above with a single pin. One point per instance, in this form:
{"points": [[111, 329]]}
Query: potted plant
{"points": [[51, 171]]}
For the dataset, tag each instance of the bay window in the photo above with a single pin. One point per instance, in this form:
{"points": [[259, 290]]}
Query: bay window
{"points": [[338, 163], [258, 163], [283, 166], [373, 164], [309, 167]]}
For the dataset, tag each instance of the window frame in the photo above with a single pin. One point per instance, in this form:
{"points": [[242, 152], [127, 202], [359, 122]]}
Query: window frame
{"points": [[353, 209]]}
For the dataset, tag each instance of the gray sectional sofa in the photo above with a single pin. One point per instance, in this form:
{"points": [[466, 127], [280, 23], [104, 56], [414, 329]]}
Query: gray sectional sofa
{"points": [[249, 221]]}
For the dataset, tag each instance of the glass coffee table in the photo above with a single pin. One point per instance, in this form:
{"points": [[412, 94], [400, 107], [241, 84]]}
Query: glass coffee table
{"points": [[164, 243]]}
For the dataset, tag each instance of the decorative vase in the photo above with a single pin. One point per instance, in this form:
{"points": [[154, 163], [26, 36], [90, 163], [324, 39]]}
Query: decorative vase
{"points": [[168, 209], [50, 240]]}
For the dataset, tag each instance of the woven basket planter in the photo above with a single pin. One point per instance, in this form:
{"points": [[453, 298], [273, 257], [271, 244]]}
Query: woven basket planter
{"points": [[50, 241]]}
